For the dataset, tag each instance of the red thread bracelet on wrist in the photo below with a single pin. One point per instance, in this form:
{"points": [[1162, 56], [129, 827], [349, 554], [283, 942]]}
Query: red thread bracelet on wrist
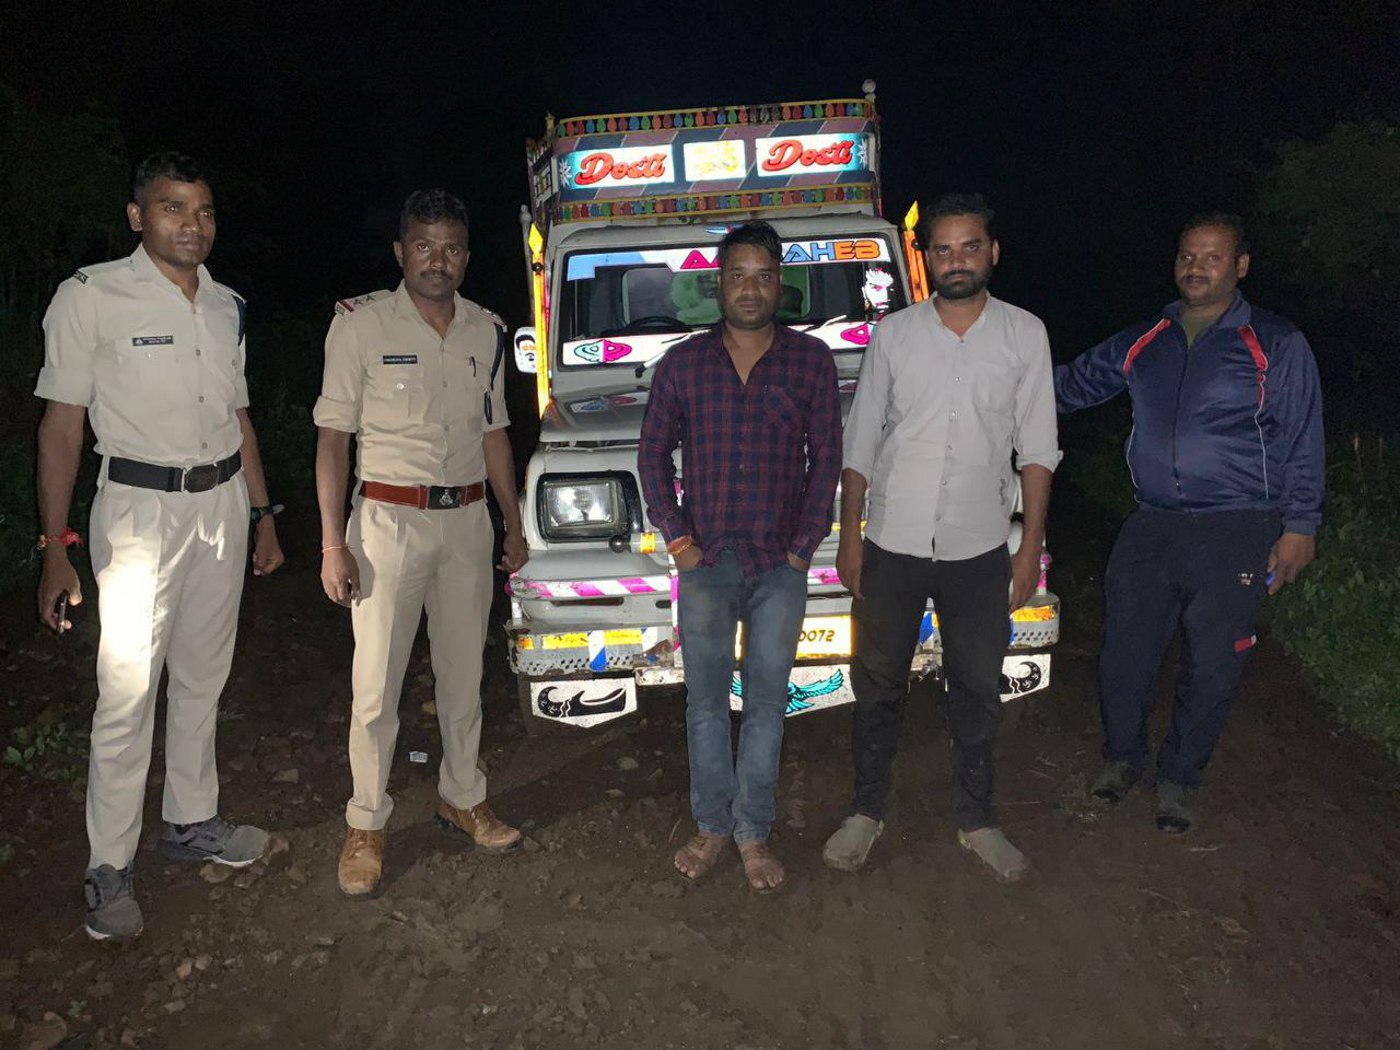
{"points": [[69, 537]]}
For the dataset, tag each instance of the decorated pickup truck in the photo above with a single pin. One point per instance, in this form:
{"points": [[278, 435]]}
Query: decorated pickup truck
{"points": [[626, 213]]}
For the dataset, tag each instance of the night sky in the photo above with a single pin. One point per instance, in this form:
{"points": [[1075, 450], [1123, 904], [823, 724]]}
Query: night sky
{"points": [[1094, 128]]}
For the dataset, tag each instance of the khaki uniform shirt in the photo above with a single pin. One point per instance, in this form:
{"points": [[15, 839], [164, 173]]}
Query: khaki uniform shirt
{"points": [[418, 403], [161, 376], [935, 419]]}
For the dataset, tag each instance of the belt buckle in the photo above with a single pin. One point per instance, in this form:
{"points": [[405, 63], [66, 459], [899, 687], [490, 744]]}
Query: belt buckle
{"points": [[201, 478], [445, 498]]}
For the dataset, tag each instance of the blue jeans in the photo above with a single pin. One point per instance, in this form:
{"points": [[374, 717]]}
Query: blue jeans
{"points": [[730, 796]]}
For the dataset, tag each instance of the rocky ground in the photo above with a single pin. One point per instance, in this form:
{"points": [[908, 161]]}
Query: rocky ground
{"points": [[1273, 926]]}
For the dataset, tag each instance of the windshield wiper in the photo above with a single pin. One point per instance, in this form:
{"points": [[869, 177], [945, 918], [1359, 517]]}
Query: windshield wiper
{"points": [[642, 370]]}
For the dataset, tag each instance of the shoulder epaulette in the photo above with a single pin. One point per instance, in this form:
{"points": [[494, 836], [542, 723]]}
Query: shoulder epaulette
{"points": [[494, 317], [226, 290], [347, 306], [242, 305], [84, 274]]}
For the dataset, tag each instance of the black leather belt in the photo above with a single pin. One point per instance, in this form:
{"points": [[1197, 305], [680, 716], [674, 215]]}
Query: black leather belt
{"points": [[173, 479]]}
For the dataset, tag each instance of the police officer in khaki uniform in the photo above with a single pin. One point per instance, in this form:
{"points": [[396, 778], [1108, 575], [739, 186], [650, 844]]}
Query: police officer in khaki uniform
{"points": [[154, 348], [416, 376]]}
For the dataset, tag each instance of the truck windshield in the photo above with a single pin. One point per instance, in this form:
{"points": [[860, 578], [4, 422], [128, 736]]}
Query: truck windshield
{"points": [[626, 307]]}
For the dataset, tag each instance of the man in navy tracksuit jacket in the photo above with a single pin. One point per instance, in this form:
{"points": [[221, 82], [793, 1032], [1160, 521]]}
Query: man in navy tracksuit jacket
{"points": [[1226, 454]]}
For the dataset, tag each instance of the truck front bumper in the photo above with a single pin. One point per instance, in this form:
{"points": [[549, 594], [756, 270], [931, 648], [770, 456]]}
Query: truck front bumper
{"points": [[588, 675]]}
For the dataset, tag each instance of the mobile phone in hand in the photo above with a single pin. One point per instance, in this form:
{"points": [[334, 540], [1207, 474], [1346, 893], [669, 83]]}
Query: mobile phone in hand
{"points": [[61, 608]]}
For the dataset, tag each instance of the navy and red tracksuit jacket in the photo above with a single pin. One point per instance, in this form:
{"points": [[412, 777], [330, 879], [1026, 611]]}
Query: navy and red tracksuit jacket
{"points": [[1234, 423]]}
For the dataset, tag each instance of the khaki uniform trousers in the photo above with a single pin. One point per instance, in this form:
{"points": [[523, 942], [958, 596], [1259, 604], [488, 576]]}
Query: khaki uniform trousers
{"points": [[169, 568], [409, 559]]}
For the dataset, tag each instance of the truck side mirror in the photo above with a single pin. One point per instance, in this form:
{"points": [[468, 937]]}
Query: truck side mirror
{"points": [[525, 358]]}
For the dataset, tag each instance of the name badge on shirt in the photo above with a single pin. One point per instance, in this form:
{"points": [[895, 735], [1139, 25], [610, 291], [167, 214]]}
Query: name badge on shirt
{"points": [[400, 359], [153, 340]]}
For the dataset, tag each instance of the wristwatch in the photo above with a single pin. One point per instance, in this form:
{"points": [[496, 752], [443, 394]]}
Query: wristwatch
{"points": [[256, 514]]}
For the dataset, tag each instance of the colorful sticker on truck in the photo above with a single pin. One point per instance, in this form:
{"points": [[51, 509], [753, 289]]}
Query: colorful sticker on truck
{"points": [[618, 166], [584, 266], [638, 350], [644, 350], [787, 155], [601, 352], [609, 403], [809, 689]]}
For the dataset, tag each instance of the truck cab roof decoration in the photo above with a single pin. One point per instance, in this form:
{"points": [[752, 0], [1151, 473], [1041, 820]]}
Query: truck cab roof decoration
{"points": [[707, 161]]}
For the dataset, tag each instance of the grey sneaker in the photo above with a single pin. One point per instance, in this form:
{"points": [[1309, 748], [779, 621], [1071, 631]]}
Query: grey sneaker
{"points": [[1174, 811], [214, 839], [112, 912], [849, 846], [994, 849], [1114, 783]]}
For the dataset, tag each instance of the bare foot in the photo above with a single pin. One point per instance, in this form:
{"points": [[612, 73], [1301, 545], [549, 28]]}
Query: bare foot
{"points": [[763, 870], [697, 857]]}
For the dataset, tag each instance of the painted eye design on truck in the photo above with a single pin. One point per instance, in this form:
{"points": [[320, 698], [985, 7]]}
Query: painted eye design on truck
{"points": [[603, 352], [859, 335]]}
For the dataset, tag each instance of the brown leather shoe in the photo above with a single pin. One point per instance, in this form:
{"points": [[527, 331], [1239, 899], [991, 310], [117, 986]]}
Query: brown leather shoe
{"points": [[361, 862], [484, 828]]}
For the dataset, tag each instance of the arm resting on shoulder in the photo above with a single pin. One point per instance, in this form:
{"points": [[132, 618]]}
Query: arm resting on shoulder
{"points": [[1093, 377]]}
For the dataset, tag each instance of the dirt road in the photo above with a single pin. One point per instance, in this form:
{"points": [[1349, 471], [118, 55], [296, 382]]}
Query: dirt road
{"points": [[1273, 926]]}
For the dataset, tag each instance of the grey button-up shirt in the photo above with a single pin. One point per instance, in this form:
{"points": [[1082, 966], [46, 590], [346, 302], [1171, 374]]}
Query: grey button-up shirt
{"points": [[935, 420]]}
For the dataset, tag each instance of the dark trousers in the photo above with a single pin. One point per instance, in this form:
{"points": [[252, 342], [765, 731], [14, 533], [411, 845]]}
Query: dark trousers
{"points": [[970, 597], [1206, 572]]}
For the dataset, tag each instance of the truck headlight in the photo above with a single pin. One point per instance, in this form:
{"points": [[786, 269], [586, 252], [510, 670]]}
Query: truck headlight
{"points": [[582, 508]]}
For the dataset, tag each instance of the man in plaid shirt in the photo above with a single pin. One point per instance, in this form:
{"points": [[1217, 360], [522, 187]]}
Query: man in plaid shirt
{"points": [[755, 410]]}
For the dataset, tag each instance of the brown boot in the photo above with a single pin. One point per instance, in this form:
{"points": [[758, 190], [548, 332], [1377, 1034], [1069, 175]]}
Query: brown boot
{"points": [[490, 834], [361, 862]]}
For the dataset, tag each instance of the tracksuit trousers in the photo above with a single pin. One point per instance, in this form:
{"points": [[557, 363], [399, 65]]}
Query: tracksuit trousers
{"points": [[1206, 572]]}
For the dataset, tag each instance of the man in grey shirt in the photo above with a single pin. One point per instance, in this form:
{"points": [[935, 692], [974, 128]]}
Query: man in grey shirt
{"points": [[949, 388]]}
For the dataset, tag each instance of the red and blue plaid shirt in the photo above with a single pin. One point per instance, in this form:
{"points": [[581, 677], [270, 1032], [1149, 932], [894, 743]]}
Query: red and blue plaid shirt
{"points": [[760, 460]]}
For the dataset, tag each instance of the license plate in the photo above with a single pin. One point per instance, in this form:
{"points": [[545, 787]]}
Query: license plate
{"points": [[821, 636], [825, 636]]}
